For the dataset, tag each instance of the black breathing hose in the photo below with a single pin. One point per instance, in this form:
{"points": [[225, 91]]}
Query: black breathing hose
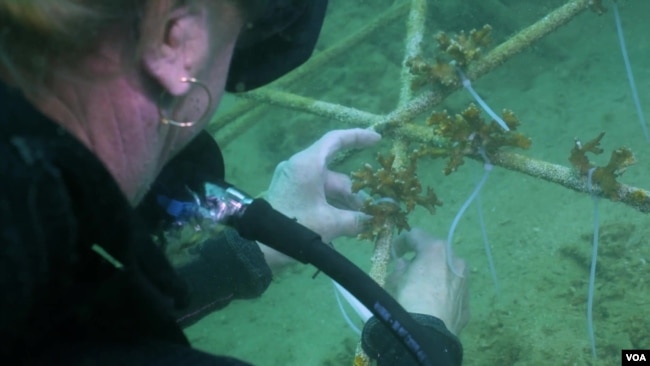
{"points": [[261, 222]]}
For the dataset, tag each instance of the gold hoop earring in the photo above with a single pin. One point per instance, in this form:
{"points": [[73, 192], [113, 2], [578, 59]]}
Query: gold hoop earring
{"points": [[168, 121]]}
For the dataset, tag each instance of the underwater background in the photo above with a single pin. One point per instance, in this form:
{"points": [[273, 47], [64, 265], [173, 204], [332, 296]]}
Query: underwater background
{"points": [[570, 84]]}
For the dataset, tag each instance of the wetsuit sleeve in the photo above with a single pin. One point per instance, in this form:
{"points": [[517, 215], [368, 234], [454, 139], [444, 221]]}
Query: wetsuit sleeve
{"points": [[380, 344], [227, 267], [34, 209], [222, 268]]}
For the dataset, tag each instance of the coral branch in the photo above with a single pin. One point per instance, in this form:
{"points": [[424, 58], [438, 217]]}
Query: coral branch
{"points": [[634, 197], [605, 177]]}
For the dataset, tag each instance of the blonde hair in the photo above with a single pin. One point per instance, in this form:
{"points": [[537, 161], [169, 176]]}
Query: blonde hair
{"points": [[34, 32]]}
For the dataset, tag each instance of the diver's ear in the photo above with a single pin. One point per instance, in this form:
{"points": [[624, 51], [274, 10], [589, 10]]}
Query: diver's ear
{"points": [[175, 50]]}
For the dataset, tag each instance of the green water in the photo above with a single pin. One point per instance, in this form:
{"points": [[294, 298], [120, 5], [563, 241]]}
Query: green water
{"points": [[570, 84]]}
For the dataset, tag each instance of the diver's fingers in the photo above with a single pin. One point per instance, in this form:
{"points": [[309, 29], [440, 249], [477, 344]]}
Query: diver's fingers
{"points": [[338, 191], [416, 240], [337, 140]]}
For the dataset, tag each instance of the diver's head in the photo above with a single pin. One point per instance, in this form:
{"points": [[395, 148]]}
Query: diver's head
{"points": [[110, 71]]}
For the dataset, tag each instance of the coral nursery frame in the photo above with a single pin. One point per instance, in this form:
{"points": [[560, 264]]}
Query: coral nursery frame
{"points": [[399, 127]]}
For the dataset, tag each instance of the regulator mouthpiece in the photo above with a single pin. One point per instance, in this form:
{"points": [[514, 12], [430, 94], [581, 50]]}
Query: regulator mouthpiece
{"points": [[223, 204]]}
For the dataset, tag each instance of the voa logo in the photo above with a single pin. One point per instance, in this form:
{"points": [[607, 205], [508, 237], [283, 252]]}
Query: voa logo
{"points": [[635, 357]]}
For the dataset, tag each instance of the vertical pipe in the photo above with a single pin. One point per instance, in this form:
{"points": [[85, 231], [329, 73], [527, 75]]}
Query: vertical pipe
{"points": [[414, 34]]}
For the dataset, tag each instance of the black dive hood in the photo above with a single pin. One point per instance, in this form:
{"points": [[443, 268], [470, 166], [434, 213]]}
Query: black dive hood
{"points": [[281, 37]]}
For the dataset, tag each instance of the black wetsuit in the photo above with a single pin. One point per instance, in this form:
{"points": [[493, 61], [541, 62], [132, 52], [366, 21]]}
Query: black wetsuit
{"points": [[64, 303]]}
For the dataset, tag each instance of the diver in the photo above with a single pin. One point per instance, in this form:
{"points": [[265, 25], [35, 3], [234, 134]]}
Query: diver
{"points": [[102, 110]]}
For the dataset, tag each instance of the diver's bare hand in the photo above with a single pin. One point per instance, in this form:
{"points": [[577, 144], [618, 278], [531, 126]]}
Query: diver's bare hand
{"points": [[304, 188], [426, 285]]}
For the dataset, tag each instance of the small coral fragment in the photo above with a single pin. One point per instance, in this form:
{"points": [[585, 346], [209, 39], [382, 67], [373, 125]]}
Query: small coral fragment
{"points": [[578, 156], [425, 73], [464, 48], [468, 134], [395, 192], [456, 51], [605, 176]]}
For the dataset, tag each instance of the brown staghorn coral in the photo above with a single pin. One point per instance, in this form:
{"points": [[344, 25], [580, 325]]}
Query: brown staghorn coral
{"points": [[392, 187], [604, 176], [464, 48], [455, 51], [468, 134], [440, 72]]}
